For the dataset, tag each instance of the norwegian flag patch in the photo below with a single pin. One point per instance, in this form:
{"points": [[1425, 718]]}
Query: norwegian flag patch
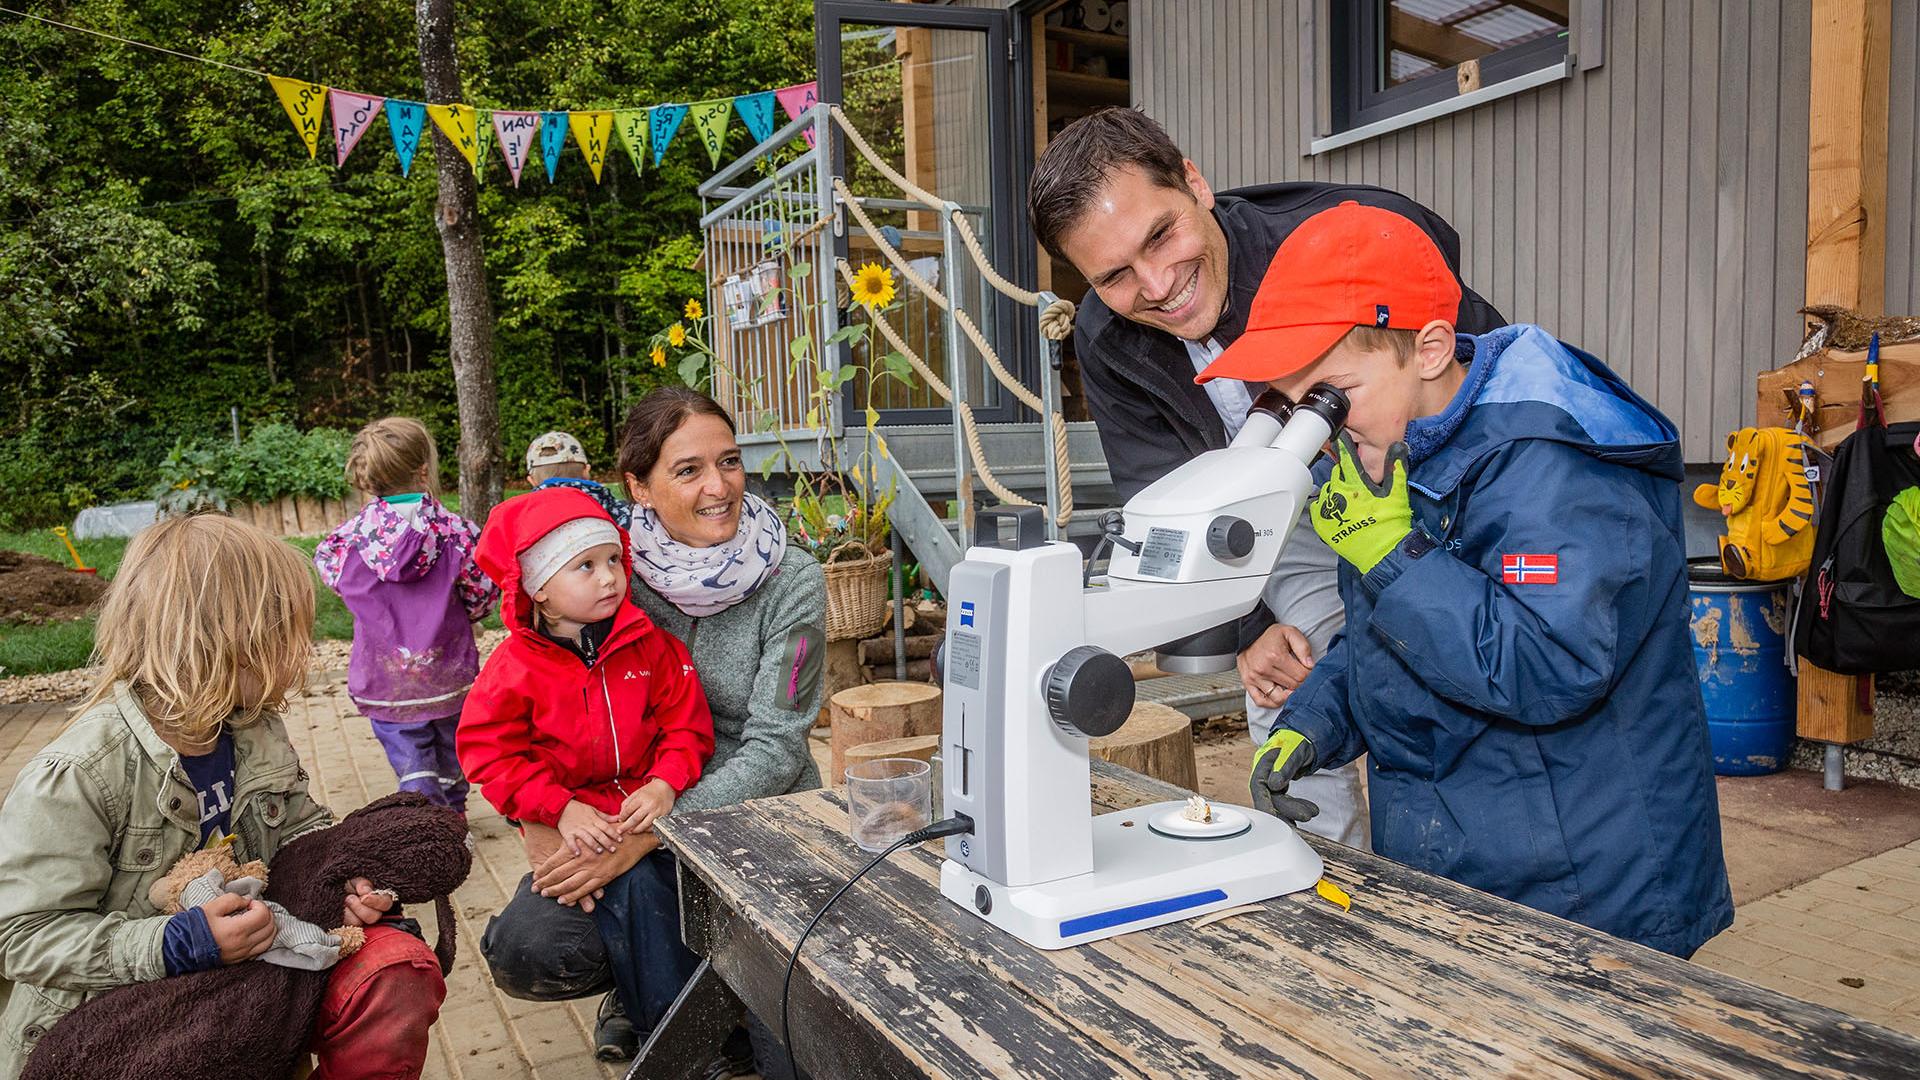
{"points": [[1530, 569]]}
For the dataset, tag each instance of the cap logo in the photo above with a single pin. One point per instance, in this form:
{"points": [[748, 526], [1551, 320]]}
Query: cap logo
{"points": [[1380, 315]]}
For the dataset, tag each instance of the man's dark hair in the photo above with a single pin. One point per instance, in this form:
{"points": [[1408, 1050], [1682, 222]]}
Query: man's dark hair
{"points": [[1071, 170]]}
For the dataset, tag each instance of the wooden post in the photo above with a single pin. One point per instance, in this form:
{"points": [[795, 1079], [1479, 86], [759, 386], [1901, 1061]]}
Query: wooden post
{"points": [[1846, 247], [1156, 740]]}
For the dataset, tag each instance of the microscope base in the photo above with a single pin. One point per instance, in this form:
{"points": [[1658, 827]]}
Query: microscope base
{"points": [[1141, 879]]}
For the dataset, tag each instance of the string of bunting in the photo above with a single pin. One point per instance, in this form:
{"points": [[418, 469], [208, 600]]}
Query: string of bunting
{"points": [[478, 133]]}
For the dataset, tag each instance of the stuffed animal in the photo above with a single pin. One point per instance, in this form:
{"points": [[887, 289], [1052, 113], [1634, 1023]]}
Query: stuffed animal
{"points": [[201, 875], [255, 1020], [1764, 496]]}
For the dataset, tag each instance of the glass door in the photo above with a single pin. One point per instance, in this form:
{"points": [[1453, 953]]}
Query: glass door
{"points": [[929, 90]]}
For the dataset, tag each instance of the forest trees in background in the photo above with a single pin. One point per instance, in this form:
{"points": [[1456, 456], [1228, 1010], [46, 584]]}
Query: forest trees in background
{"points": [[169, 252]]}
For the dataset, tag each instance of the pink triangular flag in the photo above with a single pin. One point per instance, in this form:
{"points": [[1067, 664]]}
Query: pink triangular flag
{"points": [[798, 99], [352, 115], [515, 131]]}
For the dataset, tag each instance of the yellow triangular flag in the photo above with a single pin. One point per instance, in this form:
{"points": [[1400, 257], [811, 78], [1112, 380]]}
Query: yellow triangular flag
{"points": [[456, 122], [305, 103], [592, 130]]}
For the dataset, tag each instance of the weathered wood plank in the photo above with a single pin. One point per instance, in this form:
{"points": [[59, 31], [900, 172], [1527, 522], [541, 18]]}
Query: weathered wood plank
{"points": [[1422, 976], [692, 1033]]}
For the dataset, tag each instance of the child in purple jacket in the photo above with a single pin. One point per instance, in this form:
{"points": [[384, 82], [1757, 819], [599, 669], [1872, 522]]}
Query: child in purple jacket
{"points": [[404, 565]]}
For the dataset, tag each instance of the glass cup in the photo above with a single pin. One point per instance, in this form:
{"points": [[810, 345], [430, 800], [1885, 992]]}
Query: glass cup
{"points": [[887, 798]]}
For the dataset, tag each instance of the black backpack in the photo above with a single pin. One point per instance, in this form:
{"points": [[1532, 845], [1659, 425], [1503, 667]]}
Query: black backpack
{"points": [[1854, 618]]}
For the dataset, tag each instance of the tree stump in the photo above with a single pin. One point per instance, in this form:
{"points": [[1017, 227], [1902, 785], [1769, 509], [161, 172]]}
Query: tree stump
{"points": [[843, 673], [877, 711], [917, 747], [1156, 740]]}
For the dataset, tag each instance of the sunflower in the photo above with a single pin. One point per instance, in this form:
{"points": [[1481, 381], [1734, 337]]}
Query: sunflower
{"points": [[693, 309], [658, 356], [676, 335], [873, 287]]}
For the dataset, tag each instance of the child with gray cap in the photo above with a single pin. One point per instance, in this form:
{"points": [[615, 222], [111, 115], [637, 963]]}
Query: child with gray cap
{"points": [[557, 459]]}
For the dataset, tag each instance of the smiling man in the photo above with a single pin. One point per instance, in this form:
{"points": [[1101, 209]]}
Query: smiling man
{"points": [[1174, 268]]}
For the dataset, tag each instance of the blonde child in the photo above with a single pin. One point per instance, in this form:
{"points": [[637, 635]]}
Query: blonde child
{"points": [[201, 637], [404, 566]]}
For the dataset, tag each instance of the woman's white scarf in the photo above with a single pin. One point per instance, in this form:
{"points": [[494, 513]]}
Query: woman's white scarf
{"points": [[705, 581]]}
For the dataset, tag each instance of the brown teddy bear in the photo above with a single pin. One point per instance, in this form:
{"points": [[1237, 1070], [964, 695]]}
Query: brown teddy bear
{"points": [[201, 875]]}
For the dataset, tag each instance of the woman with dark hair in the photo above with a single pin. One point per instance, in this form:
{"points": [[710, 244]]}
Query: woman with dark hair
{"points": [[712, 567]]}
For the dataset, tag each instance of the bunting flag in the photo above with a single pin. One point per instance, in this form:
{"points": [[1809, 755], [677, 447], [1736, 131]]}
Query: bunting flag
{"points": [[756, 111], [798, 99], [515, 131], [483, 153], [455, 121], [631, 126], [710, 120], [404, 122], [592, 131], [352, 115], [663, 122], [304, 102], [553, 140]]}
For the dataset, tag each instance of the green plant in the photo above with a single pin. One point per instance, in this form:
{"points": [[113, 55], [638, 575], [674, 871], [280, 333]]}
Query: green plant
{"points": [[187, 481], [843, 503], [277, 460]]}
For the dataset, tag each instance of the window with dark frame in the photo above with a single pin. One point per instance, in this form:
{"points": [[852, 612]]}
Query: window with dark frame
{"points": [[1393, 56]]}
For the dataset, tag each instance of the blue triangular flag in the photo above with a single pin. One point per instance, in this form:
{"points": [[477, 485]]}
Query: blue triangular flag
{"points": [[756, 111], [553, 140], [405, 119], [665, 121]]}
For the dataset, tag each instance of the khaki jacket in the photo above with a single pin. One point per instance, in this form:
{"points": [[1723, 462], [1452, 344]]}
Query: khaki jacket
{"points": [[91, 821]]}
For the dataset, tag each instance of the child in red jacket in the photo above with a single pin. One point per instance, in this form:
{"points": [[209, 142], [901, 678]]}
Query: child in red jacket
{"points": [[588, 720]]}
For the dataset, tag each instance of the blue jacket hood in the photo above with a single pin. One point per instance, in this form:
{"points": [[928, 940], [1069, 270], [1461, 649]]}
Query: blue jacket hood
{"points": [[1523, 383]]}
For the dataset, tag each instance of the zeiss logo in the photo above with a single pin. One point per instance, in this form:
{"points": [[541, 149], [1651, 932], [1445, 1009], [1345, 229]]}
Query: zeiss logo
{"points": [[966, 613]]}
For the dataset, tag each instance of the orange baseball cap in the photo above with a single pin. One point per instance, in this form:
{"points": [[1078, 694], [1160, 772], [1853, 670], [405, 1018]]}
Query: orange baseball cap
{"points": [[1349, 266]]}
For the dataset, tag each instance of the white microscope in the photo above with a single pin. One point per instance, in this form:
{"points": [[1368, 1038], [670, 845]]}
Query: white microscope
{"points": [[1032, 670]]}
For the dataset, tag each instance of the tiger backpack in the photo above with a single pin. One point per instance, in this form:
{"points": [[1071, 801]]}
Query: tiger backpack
{"points": [[1769, 510]]}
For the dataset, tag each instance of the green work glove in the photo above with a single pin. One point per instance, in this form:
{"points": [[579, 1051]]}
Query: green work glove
{"points": [[1285, 755], [1359, 519]]}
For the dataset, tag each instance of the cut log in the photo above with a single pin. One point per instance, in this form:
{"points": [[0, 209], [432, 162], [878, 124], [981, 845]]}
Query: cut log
{"points": [[917, 671], [1156, 740], [884, 710], [843, 673], [917, 747], [878, 652]]}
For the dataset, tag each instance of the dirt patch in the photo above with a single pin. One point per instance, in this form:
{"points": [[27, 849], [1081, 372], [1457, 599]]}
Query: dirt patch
{"points": [[37, 590]]}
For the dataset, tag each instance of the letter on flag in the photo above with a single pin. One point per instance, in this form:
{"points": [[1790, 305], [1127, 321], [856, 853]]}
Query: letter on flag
{"points": [[483, 129], [756, 111], [710, 120], [515, 131], [405, 120], [304, 102], [553, 140], [456, 122], [352, 115], [664, 122], [631, 126], [798, 99], [592, 130]]}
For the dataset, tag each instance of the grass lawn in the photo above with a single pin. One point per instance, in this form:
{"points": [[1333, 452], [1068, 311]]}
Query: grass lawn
{"points": [[27, 649]]}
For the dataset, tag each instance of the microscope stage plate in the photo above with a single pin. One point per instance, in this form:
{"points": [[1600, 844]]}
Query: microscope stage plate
{"points": [[1142, 879]]}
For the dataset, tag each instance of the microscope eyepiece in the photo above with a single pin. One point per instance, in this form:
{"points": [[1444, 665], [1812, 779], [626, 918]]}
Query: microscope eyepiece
{"points": [[1328, 402]]}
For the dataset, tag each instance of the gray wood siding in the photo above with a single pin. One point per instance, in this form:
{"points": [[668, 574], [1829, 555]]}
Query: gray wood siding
{"points": [[1651, 211]]}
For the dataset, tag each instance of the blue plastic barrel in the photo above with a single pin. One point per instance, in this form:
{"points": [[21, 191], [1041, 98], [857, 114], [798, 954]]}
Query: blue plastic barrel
{"points": [[1739, 646]]}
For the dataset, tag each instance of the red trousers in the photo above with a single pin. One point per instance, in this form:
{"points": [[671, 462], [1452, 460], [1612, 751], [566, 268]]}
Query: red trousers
{"points": [[379, 1005]]}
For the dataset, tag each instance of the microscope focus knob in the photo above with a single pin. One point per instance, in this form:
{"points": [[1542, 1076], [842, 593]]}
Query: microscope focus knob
{"points": [[1230, 538], [1089, 692]]}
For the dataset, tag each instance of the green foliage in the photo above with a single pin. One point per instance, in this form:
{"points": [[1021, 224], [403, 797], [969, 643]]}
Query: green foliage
{"points": [[169, 253], [276, 460], [188, 481]]}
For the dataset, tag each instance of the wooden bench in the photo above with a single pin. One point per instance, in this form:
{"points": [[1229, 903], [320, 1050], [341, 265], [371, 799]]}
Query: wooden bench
{"points": [[1421, 977]]}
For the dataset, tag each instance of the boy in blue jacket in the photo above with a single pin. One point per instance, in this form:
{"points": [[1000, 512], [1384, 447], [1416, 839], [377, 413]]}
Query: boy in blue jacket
{"points": [[1516, 661]]}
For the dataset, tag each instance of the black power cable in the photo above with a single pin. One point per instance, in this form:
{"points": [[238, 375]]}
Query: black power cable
{"points": [[953, 826]]}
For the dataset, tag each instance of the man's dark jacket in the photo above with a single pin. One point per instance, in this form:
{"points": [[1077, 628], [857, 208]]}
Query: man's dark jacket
{"points": [[1139, 380]]}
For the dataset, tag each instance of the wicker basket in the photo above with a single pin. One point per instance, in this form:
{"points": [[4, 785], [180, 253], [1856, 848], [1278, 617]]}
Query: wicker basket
{"points": [[857, 592]]}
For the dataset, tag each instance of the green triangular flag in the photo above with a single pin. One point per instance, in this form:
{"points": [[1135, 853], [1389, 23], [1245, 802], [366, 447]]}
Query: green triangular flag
{"points": [[710, 118], [631, 126], [483, 129]]}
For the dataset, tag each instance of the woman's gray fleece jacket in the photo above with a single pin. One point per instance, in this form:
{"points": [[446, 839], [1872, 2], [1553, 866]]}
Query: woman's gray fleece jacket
{"points": [[760, 663]]}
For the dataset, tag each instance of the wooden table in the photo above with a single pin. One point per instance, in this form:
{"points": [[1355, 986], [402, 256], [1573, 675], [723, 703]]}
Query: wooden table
{"points": [[1421, 977]]}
